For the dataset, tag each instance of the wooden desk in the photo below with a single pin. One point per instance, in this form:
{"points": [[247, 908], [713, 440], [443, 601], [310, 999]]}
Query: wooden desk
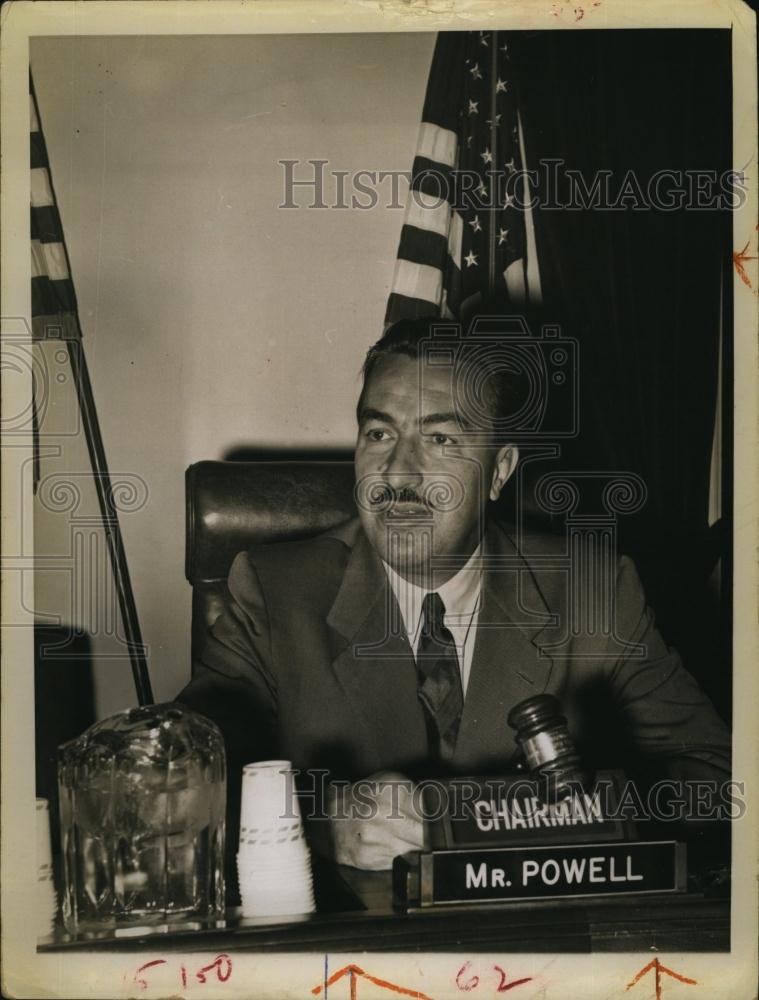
{"points": [[356, 914]]}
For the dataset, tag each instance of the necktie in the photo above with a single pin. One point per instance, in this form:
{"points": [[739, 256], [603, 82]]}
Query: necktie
{"points": [[440, 689]]}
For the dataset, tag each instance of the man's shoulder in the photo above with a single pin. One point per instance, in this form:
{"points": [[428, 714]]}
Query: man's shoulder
{"points": [[296, 567], [548, 558], [544, 551], [513, 540]]}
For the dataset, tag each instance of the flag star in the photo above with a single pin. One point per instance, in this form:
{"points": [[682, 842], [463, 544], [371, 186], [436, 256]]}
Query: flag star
{"points": [[473, 107], [510, 166], [509, 201], [469, 140], [483, 39], [504, 47], [475, 224], [500, 86], [471, 259], [497, 121], [482, 189], [475, 71], [503, 235], [487, 156]]}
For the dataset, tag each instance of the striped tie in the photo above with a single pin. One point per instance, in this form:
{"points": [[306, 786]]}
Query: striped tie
{"points": [[440, 689]]}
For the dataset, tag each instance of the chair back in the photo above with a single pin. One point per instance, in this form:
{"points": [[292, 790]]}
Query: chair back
{"points": [[232, 506]]}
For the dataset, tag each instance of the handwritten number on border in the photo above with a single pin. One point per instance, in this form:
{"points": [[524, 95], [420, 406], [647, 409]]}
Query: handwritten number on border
{"points": [[221, 966], [467, 982]]}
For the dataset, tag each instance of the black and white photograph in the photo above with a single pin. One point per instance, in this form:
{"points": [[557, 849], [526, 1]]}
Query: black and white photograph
{"points": [[379, 475]]}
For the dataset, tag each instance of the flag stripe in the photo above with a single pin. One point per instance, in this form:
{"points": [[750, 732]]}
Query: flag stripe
{"points": [[438, 144], [515, 283], [45, 224], [409, 307], [37, 151], [452, 286], [55, 326], [532, 276], [49, 297], [42, 191], [49, 260], [435, 219], [420, 247], [434, 179], [456, 236], [418, 281], [34, 124]]}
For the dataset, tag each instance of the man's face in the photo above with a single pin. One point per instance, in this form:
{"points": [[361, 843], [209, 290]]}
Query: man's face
{"points": [[423, 484]]}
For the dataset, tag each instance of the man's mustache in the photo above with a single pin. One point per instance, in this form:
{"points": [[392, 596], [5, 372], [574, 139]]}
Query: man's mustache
{"points": [[441, 493], [386, 496]]}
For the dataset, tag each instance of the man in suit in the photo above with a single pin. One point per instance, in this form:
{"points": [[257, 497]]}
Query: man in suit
{"points": [[396, 644]]}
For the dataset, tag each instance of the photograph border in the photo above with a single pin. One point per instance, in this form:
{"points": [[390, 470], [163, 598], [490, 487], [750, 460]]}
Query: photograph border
{"points": [[26, 973]]}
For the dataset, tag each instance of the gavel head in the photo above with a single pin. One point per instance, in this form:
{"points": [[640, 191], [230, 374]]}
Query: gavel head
{"points": [[549, 751]]}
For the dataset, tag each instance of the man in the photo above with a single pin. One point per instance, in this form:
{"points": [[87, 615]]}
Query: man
{"points": [[396, 645]]}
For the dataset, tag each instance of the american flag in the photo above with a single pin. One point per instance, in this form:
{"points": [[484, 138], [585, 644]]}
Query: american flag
{"points": [[54, 310], [55, 317], [467, 235]]}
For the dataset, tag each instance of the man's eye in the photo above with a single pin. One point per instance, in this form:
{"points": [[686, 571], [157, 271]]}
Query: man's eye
{"points": [[376, 434], [441, 439]]}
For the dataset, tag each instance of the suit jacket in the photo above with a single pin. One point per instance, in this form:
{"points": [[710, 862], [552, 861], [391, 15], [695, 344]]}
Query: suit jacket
{"points": [[310, 663]]}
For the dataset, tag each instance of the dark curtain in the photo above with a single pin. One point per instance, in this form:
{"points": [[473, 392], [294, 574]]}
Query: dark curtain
{"points": [[64, 705], [640, 289]]}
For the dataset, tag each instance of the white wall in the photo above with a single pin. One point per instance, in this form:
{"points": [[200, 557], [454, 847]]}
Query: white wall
{"points": [[211, 317]]}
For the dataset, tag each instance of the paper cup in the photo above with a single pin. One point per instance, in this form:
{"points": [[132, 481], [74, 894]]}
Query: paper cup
{"points": [[291, 896], [273, 849], [268, 799], [250, 863], [286, 876], [267, 906], [272, 836], [263, 900], [270, 908], [287, 827], [273, 860], [253, 860]]}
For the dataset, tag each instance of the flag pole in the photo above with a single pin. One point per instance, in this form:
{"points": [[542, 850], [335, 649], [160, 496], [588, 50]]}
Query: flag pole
{"points": [[110, 519], [68, 323], [494, 151]]}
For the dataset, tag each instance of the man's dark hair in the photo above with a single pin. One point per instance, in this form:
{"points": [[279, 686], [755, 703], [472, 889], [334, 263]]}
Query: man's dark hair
{"points": [[498, 388]]}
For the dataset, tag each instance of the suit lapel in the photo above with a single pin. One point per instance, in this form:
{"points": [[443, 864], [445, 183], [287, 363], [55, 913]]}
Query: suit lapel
{"points": [[373, 662], [507, 665]]}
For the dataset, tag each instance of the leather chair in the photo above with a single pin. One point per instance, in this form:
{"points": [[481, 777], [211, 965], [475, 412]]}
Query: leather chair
{"points": [[234, 505], [230, 507]]}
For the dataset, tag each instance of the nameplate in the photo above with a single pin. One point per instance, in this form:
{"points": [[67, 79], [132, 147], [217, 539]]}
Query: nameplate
{"points": [[512, 810], [513, 874]]}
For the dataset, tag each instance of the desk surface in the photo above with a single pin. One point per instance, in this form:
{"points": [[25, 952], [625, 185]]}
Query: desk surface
{"points": [[358, 915]]}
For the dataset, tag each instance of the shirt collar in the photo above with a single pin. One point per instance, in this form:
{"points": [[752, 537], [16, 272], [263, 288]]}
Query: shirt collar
{"points": [[460, 594]]}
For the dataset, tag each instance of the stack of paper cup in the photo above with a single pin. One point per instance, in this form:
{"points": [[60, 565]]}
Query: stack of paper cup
{"points": [[47, 900], [273, 861]]}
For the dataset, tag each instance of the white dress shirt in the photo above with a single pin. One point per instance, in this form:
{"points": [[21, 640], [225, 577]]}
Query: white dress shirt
{"points": [[461, 597]]}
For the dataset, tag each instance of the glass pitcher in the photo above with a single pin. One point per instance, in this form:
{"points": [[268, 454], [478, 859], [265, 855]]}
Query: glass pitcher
{"points": [[142, 804]]}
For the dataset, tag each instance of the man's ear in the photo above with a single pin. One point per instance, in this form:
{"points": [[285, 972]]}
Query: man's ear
{"points": [[505, 463]]}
